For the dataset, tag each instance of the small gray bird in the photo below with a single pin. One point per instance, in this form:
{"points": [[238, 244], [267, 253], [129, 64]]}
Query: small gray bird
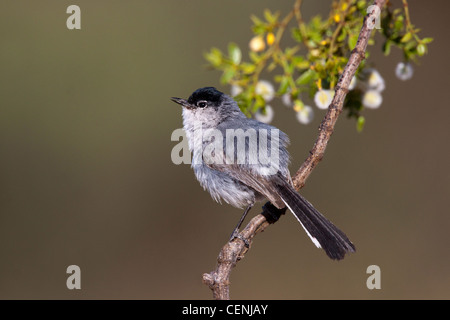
{"points": [[227, 158]]}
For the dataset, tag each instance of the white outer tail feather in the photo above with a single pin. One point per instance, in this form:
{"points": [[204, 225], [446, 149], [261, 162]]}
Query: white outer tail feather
{"points": [[314, 240]]}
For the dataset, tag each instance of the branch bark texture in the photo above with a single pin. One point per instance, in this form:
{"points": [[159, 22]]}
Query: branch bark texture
{"points": [[218, 280]]}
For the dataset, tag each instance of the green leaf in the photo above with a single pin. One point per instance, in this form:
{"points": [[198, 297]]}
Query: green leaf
{"points": [[259, 26], [316, 22], [235, 53], [421, 49], [300, 62], [248, 68], [427, 40], [289, 68], [271, 66], [360, 123], [361, 4], [270, 17], [315, 36], [397, 11], [299, 103], [214, 57], [259, 29], [406, 37], [305, 77], [410, 45], [352, 39], [296, 34], [227, 75], [284, 84], [256, 20], [342, 35], [387, 47], [289, 52], [398, 24], [258, 104]]}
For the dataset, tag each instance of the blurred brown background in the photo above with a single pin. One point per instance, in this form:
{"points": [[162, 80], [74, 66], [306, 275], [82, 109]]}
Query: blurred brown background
{"points": [[86, 176]]}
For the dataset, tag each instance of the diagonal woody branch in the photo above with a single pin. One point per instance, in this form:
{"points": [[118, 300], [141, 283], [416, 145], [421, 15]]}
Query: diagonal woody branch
{"points": [[219, 279]]}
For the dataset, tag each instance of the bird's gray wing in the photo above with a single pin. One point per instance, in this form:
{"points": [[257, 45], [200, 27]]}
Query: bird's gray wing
{"points": [[260, 156], [253, 179]]}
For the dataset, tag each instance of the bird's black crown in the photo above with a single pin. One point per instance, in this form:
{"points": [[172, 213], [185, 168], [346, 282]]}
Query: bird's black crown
{"points": [[209, 94]]}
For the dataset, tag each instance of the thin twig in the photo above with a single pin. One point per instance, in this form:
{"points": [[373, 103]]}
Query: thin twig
{"points": [[219, 279], [301, 23]]}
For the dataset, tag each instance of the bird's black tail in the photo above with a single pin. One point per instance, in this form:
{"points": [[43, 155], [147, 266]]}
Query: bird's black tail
{"points": [[322, 232]]}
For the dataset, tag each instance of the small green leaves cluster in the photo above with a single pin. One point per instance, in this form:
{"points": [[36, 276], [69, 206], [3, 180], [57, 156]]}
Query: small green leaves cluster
{"points": [[315, 58], [401, 33]]}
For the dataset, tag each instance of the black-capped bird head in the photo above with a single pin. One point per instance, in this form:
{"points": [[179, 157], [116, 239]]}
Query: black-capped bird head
{"points": [[208, 105], [202, 98]]}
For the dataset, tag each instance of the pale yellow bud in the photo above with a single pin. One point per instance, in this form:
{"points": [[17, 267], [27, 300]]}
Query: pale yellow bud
{"points": [[257, 44]]}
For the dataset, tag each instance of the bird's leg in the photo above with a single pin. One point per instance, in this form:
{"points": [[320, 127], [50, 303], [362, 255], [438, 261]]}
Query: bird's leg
{"points": [[236, 230]]}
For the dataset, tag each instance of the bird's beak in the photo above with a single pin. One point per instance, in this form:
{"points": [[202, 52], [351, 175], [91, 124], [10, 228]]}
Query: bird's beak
{"points": [[181, 102]]}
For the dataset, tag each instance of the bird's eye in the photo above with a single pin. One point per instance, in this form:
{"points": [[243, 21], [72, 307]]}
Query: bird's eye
{"points": [[202, 104]]}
